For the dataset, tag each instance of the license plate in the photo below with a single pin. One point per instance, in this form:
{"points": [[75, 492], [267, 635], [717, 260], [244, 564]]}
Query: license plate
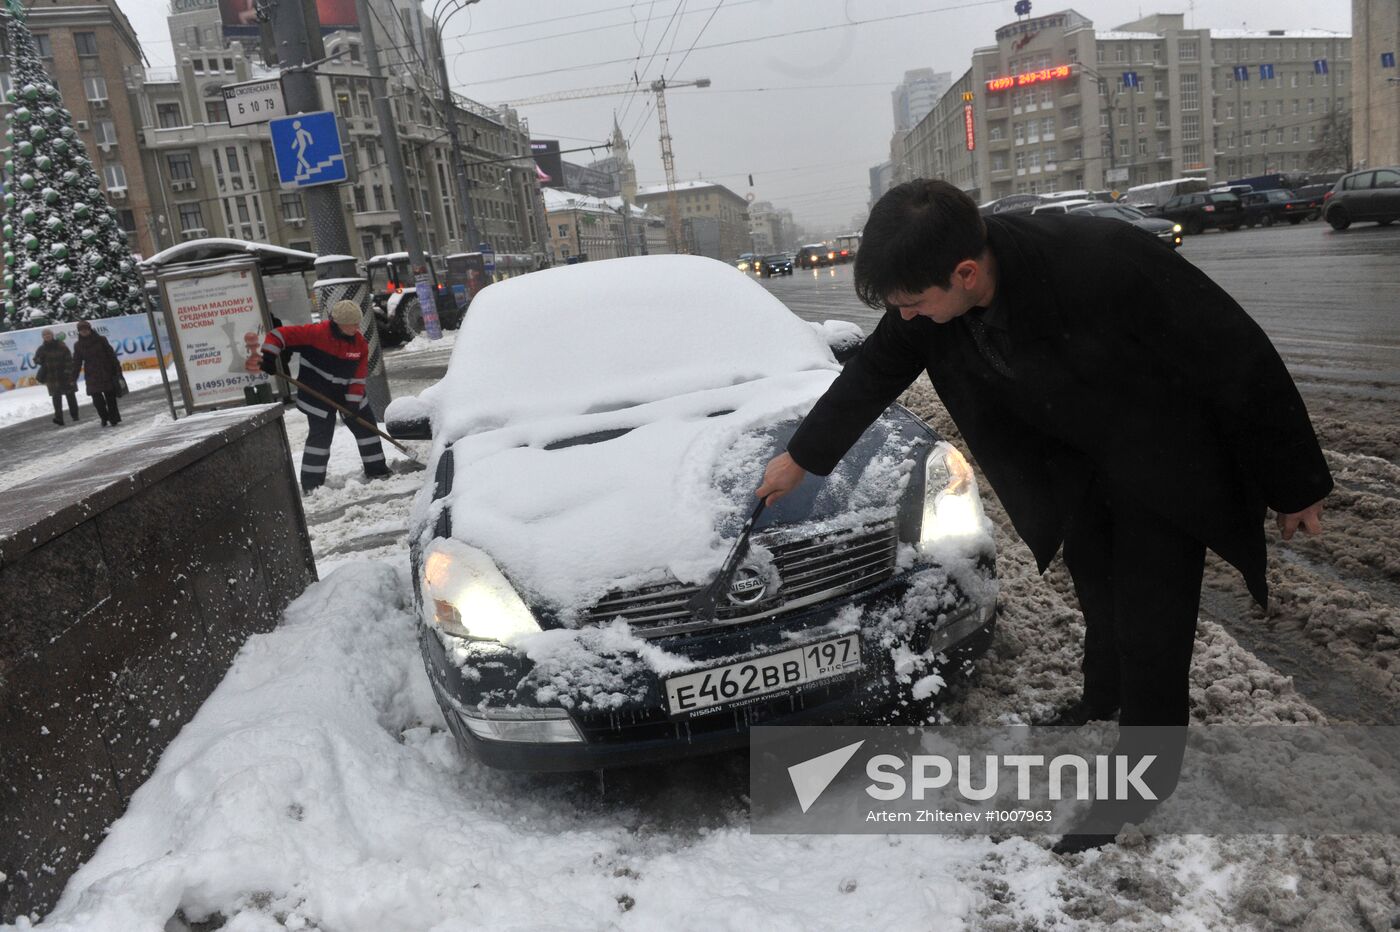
{"points": [[737, 682]]}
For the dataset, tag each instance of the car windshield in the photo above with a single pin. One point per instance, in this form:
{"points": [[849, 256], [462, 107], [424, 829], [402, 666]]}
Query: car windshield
{"points": [[611, 334]]}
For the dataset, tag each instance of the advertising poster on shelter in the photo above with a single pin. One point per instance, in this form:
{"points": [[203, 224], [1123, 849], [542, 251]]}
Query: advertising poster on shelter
{"points": [[219, 324]]}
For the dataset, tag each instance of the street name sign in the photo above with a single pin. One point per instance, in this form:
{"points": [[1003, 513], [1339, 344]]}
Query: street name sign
{"points": [[254, 101]]}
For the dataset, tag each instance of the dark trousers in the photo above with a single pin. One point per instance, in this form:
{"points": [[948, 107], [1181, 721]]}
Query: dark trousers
{"points": [[72, 404], [1138, 579], [106, 405], [317, 452]]}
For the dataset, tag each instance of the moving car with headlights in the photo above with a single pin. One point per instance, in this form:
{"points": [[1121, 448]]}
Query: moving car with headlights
{"points": [[588, 487], [1202, 211], [1373, 194], [814, 256], [779, 264], [1165, 230]]}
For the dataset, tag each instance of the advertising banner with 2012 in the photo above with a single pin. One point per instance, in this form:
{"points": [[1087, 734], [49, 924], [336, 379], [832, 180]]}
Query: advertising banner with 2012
{"points": [[130, 336]]}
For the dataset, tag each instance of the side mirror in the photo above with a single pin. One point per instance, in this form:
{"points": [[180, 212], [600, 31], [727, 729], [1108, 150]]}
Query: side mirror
{"points": [[842, 337], [408, 419]]}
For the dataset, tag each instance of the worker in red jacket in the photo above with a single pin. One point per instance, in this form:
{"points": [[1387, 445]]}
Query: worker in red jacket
{"points": [[334, 362]]}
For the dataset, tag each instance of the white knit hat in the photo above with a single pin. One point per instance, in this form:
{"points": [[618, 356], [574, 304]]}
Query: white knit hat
{"points": [[346, 313]]}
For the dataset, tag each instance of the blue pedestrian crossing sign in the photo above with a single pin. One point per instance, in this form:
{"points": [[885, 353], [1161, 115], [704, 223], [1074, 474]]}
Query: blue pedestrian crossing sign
{"points": [[307, 150]]}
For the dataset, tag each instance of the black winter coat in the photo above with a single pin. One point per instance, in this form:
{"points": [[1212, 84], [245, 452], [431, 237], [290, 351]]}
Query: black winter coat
{"points": [[95, 355], [1126, 360], [57, 361]]}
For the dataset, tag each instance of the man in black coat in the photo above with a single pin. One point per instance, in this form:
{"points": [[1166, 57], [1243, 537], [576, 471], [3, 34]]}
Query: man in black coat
{"points": [[1117, 399]]}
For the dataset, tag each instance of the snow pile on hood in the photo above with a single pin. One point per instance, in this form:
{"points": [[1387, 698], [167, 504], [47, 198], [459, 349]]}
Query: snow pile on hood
{"points": [[604, 335], [672, 369]]}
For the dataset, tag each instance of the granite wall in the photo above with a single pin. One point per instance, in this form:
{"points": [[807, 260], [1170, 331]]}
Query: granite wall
{"points": [[126, 588]]}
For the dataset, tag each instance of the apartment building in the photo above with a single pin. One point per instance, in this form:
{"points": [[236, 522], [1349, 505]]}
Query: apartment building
{"points": [[1056, 104], [1376, 83], [90, 48], [714, 220]]}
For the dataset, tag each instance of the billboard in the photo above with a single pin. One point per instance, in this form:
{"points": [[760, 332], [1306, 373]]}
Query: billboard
{"points": [[130, 336], [548, 161], [217, 320], [240, 20]]}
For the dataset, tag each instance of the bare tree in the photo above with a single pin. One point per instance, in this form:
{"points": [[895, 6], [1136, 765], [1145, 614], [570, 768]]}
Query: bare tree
{"points": [[1333, 152]]}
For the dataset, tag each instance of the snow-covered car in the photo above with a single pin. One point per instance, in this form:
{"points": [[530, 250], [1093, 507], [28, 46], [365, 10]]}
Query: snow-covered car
{"points": [[596, 442]]}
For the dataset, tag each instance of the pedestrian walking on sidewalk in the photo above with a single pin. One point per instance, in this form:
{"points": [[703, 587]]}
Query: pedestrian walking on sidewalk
{"points": [[1118, 401], [335, 363], [94, 356], [54, 364]]}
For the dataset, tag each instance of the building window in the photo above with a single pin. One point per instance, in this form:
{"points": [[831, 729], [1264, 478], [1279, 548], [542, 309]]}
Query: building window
{"points": [[181, 166], [191, 218], [1142, 146], [41, 41], [360, 206], [1078, 152], [1191, 155], [342, 103], [1278, 138], [105, 131], [1124, 148], [378, 191], [1230, 140], [231, 159], [1229, 109], [1296, 133], [85, 42], [1189, 50], [168, 116], [1191, 127], [365, 110], [216, 111], [115, 176], [1120, 54], [228, 65], [1190, 90], [1310, 106], [198, 65], [95, 88]]}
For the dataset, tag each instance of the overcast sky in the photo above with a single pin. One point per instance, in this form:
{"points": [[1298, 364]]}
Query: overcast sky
{"points": [[800, 97]]}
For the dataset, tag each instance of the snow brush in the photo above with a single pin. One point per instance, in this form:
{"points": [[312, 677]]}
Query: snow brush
{"points": [[348, 413], [705, 602]]}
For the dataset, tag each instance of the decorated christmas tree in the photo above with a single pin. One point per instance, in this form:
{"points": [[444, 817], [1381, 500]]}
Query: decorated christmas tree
{"points": [[66, 257]]}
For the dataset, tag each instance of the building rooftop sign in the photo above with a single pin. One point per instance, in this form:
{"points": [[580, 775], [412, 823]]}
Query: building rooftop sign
{"points": [[1057, 73], [1058, 21]]}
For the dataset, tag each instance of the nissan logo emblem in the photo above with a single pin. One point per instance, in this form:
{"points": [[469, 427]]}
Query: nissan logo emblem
{"points": [[749, 586]]}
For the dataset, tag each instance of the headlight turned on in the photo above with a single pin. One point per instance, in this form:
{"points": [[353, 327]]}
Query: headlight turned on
{"points": [[952, 507], [466, 595]]}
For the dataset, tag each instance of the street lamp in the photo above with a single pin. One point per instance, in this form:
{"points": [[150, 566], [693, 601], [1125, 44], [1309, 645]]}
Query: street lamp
{"points": [[442, 13]]}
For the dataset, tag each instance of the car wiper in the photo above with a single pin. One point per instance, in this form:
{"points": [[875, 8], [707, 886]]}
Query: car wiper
{"points": [[706, 601]]}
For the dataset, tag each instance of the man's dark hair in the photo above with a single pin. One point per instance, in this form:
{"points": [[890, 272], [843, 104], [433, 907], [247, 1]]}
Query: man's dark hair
{"points": [[916, 235]]}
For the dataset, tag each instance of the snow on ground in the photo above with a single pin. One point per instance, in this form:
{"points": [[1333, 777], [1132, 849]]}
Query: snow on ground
{"points": [[21, 404], [318, 789]]}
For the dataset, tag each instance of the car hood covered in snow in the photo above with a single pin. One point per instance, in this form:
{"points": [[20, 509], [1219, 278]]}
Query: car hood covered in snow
{"points": [[609, 422]]}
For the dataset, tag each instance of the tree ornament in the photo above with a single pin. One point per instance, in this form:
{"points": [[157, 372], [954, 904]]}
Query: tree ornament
{"points": [[69, 300], [29, 215], [39, 134], [33, 270], [27, 181], [31, 93], [26, 148], [64, 273], [50, 195], [22, 114], [43, 162], [59, 250], [35, 292], [9, 231], [31, 242], [89, 235]]}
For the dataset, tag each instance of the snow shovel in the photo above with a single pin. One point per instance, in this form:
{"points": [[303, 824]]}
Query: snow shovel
{"points": [[706, 601], [348, 413]]}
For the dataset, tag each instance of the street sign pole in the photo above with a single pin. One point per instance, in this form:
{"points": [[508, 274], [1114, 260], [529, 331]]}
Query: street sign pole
{"points": [[329, 236]]}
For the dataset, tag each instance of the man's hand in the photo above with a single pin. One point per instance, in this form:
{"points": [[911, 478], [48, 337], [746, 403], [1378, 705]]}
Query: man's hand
{"points": [[1309, 519], [268, 363], [779, 478]]}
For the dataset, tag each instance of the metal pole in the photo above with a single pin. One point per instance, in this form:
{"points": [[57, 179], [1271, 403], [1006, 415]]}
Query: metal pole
{"points": [[471, 237], [328, 233], [393, 158]]}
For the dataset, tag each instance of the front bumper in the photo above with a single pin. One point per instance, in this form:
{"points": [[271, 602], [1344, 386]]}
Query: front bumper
{"points": [[490, 695]]}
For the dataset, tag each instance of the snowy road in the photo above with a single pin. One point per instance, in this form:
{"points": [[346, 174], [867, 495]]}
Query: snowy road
{"points": [[317, 788]]}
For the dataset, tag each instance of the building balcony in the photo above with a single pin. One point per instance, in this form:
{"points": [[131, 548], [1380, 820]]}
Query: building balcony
{"points": [[1072, 132], [1002, 143]]}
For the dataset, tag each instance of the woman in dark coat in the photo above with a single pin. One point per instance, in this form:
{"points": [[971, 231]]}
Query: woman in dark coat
{"points": [[56, 362], [95, 355]]}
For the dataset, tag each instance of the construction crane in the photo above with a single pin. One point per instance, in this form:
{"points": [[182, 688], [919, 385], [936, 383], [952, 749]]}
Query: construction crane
{"points": [[668, 159]]}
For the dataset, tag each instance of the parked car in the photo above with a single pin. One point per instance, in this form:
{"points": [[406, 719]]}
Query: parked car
{"points": [[1372, 194], [1203, 210], [586, 487], [1062, 207], [813, 256], [779, 264], [1265, 208], [1306, 203], [1165, 230]]}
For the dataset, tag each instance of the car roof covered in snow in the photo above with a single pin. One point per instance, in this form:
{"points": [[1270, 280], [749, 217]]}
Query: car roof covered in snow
{"points": [[611, 334]]}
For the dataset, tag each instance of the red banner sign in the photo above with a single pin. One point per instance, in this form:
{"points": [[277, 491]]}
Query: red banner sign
{"points": [[1057, 73], [967, 122]]}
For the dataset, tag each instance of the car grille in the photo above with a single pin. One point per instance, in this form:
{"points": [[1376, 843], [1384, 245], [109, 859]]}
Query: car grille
{"points": [[812, 568]]}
